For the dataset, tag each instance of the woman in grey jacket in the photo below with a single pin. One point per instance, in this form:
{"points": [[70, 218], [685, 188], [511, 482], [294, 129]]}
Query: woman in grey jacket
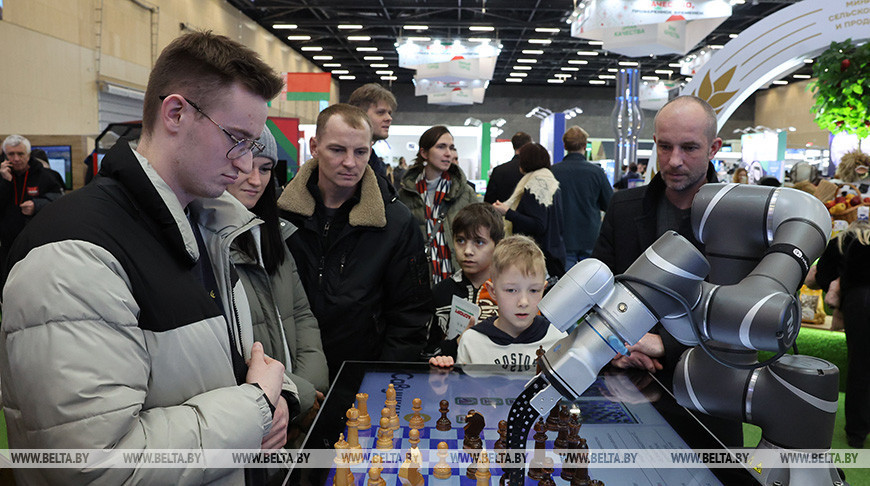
{"points": [[282, 318]]}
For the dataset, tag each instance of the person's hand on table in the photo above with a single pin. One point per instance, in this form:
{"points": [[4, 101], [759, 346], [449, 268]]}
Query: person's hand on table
{"points": [[644, 354], [441, 361]]}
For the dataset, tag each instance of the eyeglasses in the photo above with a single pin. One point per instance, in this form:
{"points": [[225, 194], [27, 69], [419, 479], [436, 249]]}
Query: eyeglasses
{"points": [[240, 147]]}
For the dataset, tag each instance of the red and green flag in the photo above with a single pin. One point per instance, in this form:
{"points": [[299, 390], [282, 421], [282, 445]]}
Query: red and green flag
{"points": [[308, 86], [286, 133]]}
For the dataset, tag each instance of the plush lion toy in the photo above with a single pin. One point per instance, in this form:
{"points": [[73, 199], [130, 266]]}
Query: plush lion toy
{"points": [[854, 167]]}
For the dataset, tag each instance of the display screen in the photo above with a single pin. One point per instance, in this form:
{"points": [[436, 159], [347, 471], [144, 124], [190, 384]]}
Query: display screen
{"points": [[60, 161]]}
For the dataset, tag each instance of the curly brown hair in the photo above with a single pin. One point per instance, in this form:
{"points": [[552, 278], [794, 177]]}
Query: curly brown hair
{"points": [[849, 162]]}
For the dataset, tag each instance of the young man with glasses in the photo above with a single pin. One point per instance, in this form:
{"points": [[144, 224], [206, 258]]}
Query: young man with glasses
{"points": [[134, 334]]}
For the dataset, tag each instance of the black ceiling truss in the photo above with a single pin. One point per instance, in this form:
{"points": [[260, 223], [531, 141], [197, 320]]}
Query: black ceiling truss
{"points": [[514, 23]]}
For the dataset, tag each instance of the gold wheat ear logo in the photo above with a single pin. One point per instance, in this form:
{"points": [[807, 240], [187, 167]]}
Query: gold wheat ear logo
{"points": [[714, 93]]}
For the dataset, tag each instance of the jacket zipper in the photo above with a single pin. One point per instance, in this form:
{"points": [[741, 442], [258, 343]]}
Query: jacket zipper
{"points": [[323, 256]]}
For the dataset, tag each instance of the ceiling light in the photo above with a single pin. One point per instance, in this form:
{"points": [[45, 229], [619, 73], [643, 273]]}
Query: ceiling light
{"points": [[732, 36], [801, 76], [527, 61], [547, 29], [558, 81], [565, 68], [808, 61], [674, 65], [312, 48], [522, 68], [359, 38], [578, 61], [540, 41], [388, 78], [664, 71], [514, 80], [351, 77], [419, 39], [366, 49], [561, 75], [299, 37], [322, 58], [416, 27], [373, 58], [606, 76], [780, 82], [596, 43], [284, 26], [629, 63], [649, 78], [532, 52], [479, 39], [587, 53], [481, 28], [688, 80], [379, 65], [715, 46], [341, 71], [332, 64], [612, 70], [597, 81], [350, 26], [384, 73], [518, 75]]}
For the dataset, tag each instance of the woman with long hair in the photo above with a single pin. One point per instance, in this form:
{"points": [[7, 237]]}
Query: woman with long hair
{"points": [[535, 207], [847, 257], [435, 190], [282, 318]]}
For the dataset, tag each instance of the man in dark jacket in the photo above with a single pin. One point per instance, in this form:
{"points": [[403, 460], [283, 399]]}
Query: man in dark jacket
{"points": [[25, 188], [585, 193], [686, 142], [504, 178], [359, 250], [379, 104]]}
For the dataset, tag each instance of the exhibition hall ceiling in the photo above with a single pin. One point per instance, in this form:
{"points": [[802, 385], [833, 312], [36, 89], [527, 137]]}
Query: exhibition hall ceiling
{"points": [[356, 39]]}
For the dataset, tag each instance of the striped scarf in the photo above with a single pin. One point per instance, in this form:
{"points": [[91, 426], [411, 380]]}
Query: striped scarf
{"points": [[437, 249]]}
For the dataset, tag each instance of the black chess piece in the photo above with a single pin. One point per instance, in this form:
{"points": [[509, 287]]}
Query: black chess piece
{"points": [[553, 418], [539, 367], [561, 441], [567, 472], [443, 424], [547, 476], [581, 471], [536, 465], [474, 425], [501, 443]]}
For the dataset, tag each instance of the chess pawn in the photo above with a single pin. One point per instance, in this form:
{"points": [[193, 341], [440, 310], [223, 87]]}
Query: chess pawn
{"points": [[442, 469], [547, 476], [501, 443], [414, 440], [561, 441], [375, 478], [482, 474], [536, 465], [385, 435], [539, 367], [365, 420], [443, 424], [416, 421]]}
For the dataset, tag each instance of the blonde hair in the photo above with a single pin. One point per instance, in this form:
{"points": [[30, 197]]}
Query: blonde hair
{"points": [[860, 230], [520, 252]]}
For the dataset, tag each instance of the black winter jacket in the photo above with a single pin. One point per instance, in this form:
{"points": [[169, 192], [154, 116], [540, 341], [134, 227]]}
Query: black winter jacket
{"points": [[364, 270]]}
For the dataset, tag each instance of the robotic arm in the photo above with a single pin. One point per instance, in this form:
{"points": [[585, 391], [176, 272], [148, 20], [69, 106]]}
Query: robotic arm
{"points": [[759, 243]]}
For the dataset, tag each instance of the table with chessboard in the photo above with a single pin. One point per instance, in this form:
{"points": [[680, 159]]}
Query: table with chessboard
{"points": [[614, 415]]}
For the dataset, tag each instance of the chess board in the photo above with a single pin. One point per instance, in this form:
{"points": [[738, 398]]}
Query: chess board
{"points": [[607, 423]]}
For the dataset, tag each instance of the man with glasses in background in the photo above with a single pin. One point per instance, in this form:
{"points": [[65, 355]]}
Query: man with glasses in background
{"points": [[124, 325]]}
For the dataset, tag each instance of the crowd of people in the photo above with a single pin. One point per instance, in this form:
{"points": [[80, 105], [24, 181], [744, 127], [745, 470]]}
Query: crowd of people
{"points": [[188, 305]]}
